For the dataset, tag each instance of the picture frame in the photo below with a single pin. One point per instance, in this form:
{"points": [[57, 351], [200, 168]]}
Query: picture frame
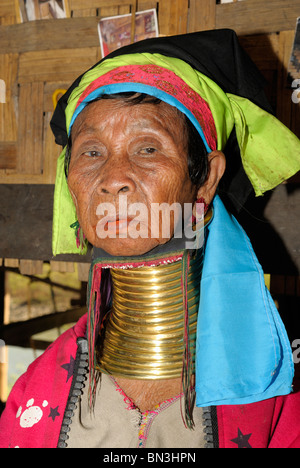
{"points": [[118, 31]]}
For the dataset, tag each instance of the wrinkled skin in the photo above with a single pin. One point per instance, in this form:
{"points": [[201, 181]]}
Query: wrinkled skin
{"points": [[139, 151]]}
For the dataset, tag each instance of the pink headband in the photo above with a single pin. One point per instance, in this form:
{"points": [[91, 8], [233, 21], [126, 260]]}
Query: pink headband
{"points": [[161, 83]]}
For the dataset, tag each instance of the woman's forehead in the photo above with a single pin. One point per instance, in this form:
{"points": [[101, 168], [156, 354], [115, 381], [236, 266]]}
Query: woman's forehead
{"points": [[140, 116]]}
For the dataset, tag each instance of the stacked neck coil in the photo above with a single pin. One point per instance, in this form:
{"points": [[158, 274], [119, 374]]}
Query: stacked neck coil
{"points": [[143, 335]]}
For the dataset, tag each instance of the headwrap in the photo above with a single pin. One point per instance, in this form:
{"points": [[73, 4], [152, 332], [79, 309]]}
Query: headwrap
{"points": [[222, 108], [243, 354]]}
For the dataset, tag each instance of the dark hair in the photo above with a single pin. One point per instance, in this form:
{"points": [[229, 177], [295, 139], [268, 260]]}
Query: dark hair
{"points": [[197, 155]]}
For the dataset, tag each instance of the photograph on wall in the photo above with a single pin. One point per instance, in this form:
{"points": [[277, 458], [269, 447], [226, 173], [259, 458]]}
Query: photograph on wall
{"points": [[31, 10], [294, 65], [115, 31]]}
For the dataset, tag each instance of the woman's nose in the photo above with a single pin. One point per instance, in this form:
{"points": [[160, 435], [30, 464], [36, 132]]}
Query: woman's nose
{"points": [[116, 177]]}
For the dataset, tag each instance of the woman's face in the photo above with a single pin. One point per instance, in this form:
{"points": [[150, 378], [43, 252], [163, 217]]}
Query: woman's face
{"points": [[126, 161]]}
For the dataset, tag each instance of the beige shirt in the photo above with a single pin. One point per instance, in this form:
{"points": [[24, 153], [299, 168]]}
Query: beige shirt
{"points": [[117, 423]]}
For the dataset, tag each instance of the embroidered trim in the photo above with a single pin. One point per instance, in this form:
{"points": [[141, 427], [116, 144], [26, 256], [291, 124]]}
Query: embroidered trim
{"points": [[146, 417], [209, 417], [210, 423], [128, 401], [132, 262], [160, 79]]}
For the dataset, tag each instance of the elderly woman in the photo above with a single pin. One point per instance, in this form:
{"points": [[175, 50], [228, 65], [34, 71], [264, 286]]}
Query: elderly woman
{"points": [[182, 345]]}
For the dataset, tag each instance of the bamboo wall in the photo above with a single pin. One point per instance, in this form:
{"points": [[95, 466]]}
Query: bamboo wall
{"points": [[39, 57], [36, 58]]}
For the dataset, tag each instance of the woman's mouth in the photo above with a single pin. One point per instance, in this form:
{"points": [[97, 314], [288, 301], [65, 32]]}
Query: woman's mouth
{"points": [[119, 225], [113, 227]]}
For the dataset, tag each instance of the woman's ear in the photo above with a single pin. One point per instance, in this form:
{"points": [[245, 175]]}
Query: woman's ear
{"points": [[217, 165]]}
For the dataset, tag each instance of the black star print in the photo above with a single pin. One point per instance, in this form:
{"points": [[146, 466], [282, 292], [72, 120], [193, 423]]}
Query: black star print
{"points": [[69, 367], [54, 413], [242, 440]]}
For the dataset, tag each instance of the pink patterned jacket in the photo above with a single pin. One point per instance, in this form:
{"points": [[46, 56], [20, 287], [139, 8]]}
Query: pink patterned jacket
{"points": [[37, 412]]}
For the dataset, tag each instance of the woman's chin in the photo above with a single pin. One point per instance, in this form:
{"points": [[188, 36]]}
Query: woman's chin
{"points": [[126, 247]]}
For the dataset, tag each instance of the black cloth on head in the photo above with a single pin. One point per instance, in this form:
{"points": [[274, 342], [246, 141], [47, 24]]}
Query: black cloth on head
{"points": [[218, 55]]}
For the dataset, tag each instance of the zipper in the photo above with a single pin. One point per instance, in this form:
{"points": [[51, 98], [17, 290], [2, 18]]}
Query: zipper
{"points": [[80, 376], [210, 423], [209, 416]]}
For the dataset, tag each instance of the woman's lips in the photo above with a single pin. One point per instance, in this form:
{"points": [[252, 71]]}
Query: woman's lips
{"points": [[117, 226], [112, 227]]}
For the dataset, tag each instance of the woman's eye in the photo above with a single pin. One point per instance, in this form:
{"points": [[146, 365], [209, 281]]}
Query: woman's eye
{"points": [[92, 154], [148, 150]]}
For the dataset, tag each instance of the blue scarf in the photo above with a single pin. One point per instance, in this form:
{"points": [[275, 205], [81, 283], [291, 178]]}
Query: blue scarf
{"points": [[243, 351]]}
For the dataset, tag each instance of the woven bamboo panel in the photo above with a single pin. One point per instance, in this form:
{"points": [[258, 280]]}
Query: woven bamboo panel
{"points": [[8, 127], [48, 59], [55, 65], [30, 131], [36, 58], [102, 8], [257, 16], [8, 155], [173, 17], [202, 15], [96, 4], [77, 5], [8, 110], [105, 8], [8, 12], [7, 8]]}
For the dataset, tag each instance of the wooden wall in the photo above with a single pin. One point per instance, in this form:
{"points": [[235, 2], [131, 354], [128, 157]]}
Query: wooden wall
{"points": [[38, 57]]}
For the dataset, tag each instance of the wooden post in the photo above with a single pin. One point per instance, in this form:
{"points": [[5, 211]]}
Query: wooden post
{"points": [[133, 12], [173, 17], [284, 92], [202, 15], [20, 10], [67, 8], [2, 292], [257, 17]]}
